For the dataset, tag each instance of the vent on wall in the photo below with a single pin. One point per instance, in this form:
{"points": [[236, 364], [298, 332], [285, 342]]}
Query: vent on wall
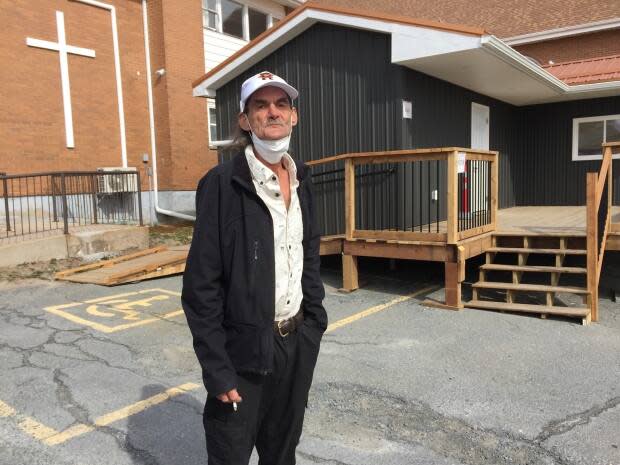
{"points": [[117, 180]]}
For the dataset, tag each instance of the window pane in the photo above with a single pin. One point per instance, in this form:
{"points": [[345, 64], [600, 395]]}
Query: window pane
{"points": [[232, 18], [208, 18], [613, 130], [258, 22], [590, 138], [212, 124], [209, 4]]}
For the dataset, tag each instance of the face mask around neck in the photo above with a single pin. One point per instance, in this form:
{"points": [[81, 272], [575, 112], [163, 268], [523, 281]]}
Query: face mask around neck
{"points": [[271, 150]]}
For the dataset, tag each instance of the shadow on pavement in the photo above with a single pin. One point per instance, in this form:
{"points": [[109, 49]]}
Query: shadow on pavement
{"points": [[170, 433]]}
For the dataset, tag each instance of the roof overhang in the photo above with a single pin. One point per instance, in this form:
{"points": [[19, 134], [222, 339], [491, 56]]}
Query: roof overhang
{"points": [[463, 56], [562, 32]]}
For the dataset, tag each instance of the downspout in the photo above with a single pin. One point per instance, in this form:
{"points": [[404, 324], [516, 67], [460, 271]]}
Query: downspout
{"points": [[149, 83]]}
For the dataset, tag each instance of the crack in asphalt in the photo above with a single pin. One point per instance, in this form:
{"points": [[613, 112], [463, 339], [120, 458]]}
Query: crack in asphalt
{"points": [[317, 459], [66, 401], [570, 422], [352, 406]]}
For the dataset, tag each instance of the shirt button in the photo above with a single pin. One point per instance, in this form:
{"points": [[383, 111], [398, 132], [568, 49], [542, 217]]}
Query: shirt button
{"points": [[273, 178], [277, 194], [289, 247], [288, 302]]}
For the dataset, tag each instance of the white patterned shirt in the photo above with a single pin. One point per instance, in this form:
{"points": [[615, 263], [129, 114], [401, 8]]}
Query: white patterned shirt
{"points": [[287, 232]]}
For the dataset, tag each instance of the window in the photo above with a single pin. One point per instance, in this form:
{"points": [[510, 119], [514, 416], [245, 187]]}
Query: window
{"points": [[209, 14], [590, 133], [257, 21], [235, 19], [212, 121], [232, 18]]}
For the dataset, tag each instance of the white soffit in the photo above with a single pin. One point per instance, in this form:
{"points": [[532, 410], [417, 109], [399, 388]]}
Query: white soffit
{"points": [[483, 64], [488, 66]]}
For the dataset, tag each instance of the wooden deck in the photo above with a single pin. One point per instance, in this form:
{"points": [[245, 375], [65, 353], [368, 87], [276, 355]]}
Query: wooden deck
{"points": [[546, 221]]}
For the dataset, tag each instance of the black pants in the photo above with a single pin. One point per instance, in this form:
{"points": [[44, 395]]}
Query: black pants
{"points": [[272, 412]]}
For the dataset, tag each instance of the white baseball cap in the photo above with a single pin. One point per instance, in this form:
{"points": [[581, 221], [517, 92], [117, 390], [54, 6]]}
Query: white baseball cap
{"points": [[264, 79]]}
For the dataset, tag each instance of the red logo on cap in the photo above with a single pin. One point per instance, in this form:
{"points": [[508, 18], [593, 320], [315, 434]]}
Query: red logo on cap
{"points": [[264, 76]]}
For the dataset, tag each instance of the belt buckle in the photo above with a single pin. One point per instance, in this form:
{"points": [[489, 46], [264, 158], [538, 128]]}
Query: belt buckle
{"points": [[280, 324]]}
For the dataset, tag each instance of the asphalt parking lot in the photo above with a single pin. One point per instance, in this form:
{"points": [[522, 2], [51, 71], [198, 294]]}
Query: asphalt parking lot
{"points": [[94, 375]]}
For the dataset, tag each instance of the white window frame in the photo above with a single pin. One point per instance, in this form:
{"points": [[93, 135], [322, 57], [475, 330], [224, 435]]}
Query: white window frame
{"points": [[590, 119], [211, 106], [218, 15], [245, 19]]}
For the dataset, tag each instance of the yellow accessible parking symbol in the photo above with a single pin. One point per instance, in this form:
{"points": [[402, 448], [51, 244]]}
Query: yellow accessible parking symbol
{"points": [[121, 311]]}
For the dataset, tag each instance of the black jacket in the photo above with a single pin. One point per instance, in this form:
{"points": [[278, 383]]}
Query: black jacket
{"points": [[229, 281]]}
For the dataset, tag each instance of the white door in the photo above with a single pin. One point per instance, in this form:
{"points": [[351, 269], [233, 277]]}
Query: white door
{"points": [[479, 126], [478, 172]]}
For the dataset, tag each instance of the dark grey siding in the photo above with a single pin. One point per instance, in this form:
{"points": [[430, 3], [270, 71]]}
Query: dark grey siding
{"points": [[351, 101], [545, 173]]}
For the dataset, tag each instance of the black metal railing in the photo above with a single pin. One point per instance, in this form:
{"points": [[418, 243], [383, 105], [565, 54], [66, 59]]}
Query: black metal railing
{"points": [[56, 201], [329, 200], [474, 195]]}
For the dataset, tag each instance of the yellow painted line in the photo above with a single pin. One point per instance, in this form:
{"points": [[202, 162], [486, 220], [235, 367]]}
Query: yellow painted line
{"points": [[377, 309], [144, 322], [120, 414], [36, 429], [6, 410], [28, 425], [112, 329], [51, 437]]}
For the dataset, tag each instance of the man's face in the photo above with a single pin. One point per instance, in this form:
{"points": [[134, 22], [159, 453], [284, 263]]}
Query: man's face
{"points": [[270, 114]]}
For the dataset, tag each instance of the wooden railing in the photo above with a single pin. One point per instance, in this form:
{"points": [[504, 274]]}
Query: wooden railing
{"points": [[599, 195], [433, 195]]}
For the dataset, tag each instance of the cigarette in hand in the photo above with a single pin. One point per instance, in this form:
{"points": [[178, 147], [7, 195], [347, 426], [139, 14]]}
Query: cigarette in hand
{"points": [[235, 406]]}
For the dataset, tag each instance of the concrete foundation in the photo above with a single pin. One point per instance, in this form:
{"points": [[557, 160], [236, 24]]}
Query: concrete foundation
{"points": [[94, 242]]}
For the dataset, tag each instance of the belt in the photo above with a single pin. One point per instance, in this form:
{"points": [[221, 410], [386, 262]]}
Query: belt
{"points": [[285, 327]]}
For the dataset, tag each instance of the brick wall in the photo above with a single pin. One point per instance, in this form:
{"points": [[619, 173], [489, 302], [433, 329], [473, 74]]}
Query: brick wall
{"points": [[596, 44], [32, 129], [189, 155]]}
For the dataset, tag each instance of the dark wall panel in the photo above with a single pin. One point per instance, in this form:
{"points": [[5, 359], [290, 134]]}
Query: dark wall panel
{"points": [[547, 175], [351, 101]]}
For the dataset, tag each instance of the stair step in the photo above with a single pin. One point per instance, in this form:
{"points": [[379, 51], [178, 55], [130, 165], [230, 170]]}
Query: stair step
{"points": [[536, 269], [540, 251], [530, 287], [529, 308]]}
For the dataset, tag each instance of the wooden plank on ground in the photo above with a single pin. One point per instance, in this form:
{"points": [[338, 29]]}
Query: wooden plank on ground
{"points": [[151, 263]]}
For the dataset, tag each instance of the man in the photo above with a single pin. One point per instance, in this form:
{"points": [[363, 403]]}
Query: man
{"points": [[252, 291]]}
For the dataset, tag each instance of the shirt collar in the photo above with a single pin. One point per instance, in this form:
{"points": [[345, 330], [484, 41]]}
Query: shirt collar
{"points": [[262, 174]]}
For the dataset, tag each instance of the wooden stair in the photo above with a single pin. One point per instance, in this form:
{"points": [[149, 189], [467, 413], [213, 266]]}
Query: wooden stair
{"points": [[487, 292]]}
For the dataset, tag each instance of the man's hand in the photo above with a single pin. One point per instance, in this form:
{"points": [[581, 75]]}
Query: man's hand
{"points": [[230, 396]]}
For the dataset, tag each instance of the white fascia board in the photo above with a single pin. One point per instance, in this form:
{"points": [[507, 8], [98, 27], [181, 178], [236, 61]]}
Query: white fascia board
{"points": [[412, 42], [284, 34], [558, 33]]}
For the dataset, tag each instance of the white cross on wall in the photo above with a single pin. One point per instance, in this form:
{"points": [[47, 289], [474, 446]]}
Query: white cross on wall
{"points": [[63, 49]]}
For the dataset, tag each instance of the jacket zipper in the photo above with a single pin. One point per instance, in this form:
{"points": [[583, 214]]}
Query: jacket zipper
{"points": [[255, 250]]}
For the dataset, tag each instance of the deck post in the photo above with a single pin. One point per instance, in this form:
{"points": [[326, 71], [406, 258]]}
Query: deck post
{"points": [[452, 190], [591, 238], [350, 280], [494, 191], [452, 285]]}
